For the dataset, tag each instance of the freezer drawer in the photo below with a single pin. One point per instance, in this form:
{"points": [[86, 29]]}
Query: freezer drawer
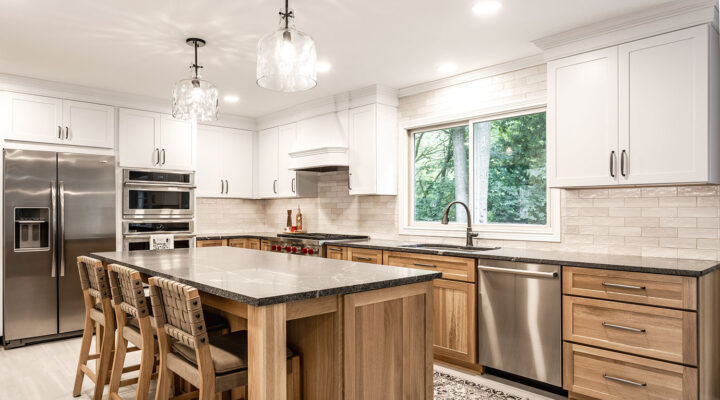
{"points": [[520, 319]]}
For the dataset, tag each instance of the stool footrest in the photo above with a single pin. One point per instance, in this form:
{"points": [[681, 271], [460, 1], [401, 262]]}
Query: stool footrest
{"points": [[89, 373]]}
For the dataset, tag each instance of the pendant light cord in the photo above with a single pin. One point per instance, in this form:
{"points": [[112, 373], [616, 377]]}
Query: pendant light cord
{"points": [[196, 62]]}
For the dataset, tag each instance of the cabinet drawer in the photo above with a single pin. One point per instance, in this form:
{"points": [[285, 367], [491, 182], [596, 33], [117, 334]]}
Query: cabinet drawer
{"points": [[604, 374], [634, 287], [211, 243], [647, 331], [237, 243], [336, 253], [455, 268], [364, 255]]}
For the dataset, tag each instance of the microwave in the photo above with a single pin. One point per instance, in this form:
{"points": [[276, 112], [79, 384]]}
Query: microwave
{"points": [[158, 194]]}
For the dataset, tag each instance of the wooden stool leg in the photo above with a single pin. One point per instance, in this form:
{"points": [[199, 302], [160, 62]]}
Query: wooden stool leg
{"points": [[147, 362], [84, 353], [295, 376], [117, 366], [103, 362]]}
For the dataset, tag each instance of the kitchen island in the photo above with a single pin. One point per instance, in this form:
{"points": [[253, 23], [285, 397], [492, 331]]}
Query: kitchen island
{"points": [[363, 331]]}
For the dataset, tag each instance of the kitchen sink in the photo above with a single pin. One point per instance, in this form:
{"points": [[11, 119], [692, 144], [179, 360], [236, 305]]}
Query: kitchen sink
{"points": [[448, 247]]}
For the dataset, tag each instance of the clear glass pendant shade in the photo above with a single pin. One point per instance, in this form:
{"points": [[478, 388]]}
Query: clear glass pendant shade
{"points": [[195, 98], [286, 59]]}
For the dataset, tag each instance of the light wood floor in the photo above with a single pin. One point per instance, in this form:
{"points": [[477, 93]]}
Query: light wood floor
{"points": [[47, 371]]}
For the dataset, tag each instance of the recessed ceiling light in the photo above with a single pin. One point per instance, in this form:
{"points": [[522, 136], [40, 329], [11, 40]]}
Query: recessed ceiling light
{"points": [[486, 7], [231, 98], [323, 66], [447, 67]]}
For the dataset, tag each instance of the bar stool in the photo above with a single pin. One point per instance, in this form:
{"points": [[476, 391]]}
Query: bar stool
{"points": [[134, 325], [212, 364], [98, 312]]}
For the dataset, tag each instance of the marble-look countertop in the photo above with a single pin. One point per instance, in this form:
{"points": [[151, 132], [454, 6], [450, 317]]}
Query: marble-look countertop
{"points": [[262, 278]]}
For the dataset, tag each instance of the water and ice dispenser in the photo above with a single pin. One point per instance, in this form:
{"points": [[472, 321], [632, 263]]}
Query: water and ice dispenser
{"points": [[32, 228]]}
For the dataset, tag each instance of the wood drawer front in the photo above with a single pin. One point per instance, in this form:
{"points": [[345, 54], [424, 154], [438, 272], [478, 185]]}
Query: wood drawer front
{"points": [[455, 268], [210, 243], [237, 243], [652, 289], [668, 334], [364, 255], [586, 369], [336, 253]]}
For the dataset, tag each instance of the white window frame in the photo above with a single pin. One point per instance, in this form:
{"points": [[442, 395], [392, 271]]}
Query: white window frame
{"points": [[546, 233]]}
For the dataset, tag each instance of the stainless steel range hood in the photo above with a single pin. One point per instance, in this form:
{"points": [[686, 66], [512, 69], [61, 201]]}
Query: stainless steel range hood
{"points": [[321, 144]]}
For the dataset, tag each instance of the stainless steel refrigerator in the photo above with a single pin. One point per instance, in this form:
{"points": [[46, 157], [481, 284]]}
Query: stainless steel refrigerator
{"points": [[57, 206]]}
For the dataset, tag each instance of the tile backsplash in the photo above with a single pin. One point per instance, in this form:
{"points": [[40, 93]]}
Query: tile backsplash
{"points": [[667, 221]]}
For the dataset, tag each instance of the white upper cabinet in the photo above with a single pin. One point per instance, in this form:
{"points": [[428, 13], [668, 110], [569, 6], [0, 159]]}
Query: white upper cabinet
{"points": [[636, 114], [582, 119], [176, 140], [50, 120], [372, 137], [286, 177], [88, 124], [225, 163], [664, 107], [268, 163], [153, 140]]}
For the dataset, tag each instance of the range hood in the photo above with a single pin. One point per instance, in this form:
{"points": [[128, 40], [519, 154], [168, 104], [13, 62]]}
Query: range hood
{"points": [[321, 143]]}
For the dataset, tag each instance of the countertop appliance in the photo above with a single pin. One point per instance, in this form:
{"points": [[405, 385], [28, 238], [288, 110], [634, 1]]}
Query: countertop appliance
{"points": [[158, 194], [57, 206], [520, 319], [309, 244], [137, 233]]}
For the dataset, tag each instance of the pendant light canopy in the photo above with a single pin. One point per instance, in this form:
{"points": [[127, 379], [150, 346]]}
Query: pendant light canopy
{"points": [[195, 98], [286, 57]]}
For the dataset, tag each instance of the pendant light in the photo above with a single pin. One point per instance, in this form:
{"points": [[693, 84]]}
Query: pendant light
{"points": [[286, 57], [195, 98]]}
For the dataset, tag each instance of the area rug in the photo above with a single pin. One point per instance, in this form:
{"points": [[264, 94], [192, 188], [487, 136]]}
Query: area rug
{"points": [[448, 387]]}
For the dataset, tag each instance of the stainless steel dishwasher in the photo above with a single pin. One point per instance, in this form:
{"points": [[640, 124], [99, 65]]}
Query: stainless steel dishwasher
{"points": [[520, 319]]}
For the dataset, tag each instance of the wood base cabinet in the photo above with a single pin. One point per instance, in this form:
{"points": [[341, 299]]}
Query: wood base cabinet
{"points": [[455, 328], [211, 243], [632, 335]]}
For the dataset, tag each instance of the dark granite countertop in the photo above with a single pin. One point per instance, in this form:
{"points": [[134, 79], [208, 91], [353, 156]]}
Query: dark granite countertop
{"points": [[262, 278], [235, 235], [655, 265]]}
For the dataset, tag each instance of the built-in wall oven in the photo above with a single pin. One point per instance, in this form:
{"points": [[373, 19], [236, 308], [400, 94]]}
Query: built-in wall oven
{"points": [[158, 194], [137, 233]]}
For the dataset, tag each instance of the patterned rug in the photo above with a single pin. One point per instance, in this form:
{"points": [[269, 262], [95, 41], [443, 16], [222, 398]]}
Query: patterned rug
{"points": [[448, 387]]}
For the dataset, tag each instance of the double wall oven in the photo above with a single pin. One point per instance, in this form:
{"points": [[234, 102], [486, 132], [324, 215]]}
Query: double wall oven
{"points": [[158, 203]]}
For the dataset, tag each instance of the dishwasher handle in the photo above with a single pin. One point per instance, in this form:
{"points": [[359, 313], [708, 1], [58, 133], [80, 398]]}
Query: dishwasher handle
{"points": [[534, 274]]}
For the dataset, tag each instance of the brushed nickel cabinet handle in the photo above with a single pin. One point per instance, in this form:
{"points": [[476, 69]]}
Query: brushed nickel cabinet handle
{"points": [[156, 156], [59, 132], [335, 248], [292, 185], [67, 133], [227, 186], [612, 163], [623, 162], [222, 186], [621, 286], [623, 328], [275, 186], [163, 156], [349, 175], [364, 258], [621, 380], [425, 265]]}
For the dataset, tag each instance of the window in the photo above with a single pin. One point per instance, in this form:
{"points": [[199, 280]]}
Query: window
{"points": [[496, 165]]}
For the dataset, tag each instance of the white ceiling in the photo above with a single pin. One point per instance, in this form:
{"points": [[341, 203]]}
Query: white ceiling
{"points": [[138, 46]]}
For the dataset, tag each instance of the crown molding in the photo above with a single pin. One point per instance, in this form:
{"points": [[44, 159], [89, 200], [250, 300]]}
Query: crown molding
{"points": [[42, 87], [651, 21], [375, 94], [482, 73]]}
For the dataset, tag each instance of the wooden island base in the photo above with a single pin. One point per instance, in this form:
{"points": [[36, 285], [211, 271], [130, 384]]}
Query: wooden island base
{"points": [[367, 345]]}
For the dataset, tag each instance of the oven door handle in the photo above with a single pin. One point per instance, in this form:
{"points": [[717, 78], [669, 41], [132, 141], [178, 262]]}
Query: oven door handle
{"points": [[153, 185], [534, 274]]}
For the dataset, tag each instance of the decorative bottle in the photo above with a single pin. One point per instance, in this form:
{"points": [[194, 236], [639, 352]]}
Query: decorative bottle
{"points": [[299, 220]]}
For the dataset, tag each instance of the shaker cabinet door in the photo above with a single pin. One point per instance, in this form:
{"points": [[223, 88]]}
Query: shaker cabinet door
{"points": [[34, 119], [287, 184], [267, 184], [88, 124], [177, 141], [582, 120], [363, 150], [210, 148], [454, 326], [139, 138], [664, 108], [237, 159]]}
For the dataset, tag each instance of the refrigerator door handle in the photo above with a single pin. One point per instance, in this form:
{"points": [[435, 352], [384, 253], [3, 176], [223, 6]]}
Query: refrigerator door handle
{"points": [[53, 228], [62, 228]]}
